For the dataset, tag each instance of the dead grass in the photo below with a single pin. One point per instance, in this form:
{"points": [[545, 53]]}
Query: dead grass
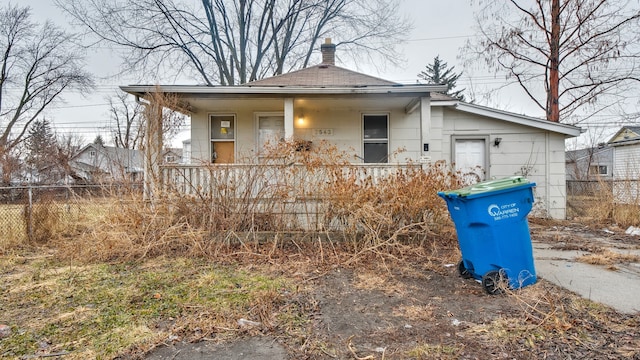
{"points": [[602, 207], [102, 310], [388, 217], [548, 312], [608, 258], [435, 351], [418, 312], [367, 280], [12, 228]]}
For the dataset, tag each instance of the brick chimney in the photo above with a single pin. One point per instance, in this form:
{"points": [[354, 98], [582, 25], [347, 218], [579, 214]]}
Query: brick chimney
{"points": [[328, 52]]}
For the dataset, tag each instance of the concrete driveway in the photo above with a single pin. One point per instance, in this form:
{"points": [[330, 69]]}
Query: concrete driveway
{"points": [[618, 287]]}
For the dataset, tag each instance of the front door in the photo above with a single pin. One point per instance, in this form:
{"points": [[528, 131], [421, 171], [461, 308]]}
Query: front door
{"points": [[470, 159], [222, 138]]}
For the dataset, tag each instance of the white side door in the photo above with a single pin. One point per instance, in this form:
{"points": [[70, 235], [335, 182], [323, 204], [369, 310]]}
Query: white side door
{"points": [[470, 159]]}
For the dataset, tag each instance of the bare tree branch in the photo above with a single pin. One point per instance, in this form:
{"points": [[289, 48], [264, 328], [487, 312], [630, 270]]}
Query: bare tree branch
{"points": [[237, 41], [578, 55], [128, 128], [38, 64]]}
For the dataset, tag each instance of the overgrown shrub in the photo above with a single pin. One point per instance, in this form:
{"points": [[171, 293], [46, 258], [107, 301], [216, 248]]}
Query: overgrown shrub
{"points": [[293, 189], [609, 203], [43, 221]]}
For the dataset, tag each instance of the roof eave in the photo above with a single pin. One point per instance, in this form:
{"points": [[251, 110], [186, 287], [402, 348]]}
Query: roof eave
{"points": [[408, 90], [568, 130], [624, 142]]}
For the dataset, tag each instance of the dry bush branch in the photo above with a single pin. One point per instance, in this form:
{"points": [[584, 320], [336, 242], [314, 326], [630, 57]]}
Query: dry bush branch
{"points": [[255, 211]]}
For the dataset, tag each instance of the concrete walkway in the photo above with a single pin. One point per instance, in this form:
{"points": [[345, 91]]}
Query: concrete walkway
{"points": [[618, 289]]}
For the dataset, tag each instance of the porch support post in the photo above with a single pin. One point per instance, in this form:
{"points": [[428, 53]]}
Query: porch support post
{"points": [[425, 129], [153, 151], [288, 118]]}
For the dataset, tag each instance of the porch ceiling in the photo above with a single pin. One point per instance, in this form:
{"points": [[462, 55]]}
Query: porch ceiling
{"points": [[306, 103], [194, 97]]}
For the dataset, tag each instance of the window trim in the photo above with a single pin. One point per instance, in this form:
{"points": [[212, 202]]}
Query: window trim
{"points": [[212, 140], [597, 172], [386, 140], [256, 117]]}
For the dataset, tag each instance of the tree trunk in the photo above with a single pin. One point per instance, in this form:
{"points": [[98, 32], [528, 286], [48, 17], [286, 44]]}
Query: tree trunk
{"points": [[553, 106]]}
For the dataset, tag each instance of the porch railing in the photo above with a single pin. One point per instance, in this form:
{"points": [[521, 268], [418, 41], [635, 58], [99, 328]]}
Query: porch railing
{"points": [[265, 181]]}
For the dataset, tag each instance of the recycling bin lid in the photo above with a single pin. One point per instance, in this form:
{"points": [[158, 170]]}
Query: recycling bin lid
{"points": [[488, 186]]}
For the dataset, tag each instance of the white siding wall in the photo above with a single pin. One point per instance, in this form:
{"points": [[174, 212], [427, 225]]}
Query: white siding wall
{"points": [[626, 169], [245, 131], [626, 162], [344, 118], [534, 153]]}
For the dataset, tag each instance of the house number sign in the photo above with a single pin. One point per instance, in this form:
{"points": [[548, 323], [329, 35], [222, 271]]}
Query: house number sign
{"points": [[323, 132]]}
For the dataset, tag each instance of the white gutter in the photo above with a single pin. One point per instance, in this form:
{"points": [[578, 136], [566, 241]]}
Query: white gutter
{"points": [[283, 90], [568, 130]]}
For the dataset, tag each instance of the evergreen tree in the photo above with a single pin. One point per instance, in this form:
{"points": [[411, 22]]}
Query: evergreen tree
{"points": [[41, 145], [99, 141], [41, 150], [438, 73]]}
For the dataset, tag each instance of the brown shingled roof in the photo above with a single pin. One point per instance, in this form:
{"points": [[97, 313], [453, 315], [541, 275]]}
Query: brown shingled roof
{"points": [[322, 75]]}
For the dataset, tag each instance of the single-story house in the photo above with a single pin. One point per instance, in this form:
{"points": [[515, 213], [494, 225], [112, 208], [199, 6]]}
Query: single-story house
{"points": [[626, 164], [594, 163], [95, 163], [172, 156], [372, 118]]}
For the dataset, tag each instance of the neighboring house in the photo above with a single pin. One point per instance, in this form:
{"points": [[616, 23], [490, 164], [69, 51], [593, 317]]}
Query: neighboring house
{"points": [[373, 119], [172, 156], [590, 164], [626, 164], [98, 164]]}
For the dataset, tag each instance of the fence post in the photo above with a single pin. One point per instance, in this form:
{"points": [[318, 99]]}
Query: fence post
{"points": [[29, 214]]}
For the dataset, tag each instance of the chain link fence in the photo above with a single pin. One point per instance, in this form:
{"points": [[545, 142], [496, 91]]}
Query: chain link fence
{"points": [[32, 213]]}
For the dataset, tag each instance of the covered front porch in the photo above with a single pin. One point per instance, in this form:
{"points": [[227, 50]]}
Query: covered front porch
{"points": [[295, 196]]}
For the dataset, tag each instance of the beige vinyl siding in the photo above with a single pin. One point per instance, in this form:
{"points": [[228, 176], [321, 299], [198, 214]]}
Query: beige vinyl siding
{"points": [[343, 117], [626, 169], [534, 153], [404, 136], [626, 162], [523, 150]]}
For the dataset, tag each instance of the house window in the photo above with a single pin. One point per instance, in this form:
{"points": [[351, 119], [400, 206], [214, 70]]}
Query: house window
{"points": [[598, 170], [376, 138], [92, 154], [270, 131], [222, 138], [170, 159]]}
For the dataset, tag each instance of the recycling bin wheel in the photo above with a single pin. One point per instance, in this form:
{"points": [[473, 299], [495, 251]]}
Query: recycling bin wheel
{"points": [[494, 282], [464, 273]]}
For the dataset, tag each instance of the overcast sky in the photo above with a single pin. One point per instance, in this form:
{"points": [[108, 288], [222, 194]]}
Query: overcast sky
{"points": [[440, 28]]}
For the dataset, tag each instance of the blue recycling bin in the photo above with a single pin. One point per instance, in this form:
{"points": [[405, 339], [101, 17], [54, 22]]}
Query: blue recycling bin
{"points": [[493, 232]]}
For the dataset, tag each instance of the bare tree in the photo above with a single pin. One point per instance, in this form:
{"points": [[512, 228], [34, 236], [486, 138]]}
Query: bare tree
{"points": [[37, 64], [565, 54], [67, 146], [128, 121], [236, 41]]}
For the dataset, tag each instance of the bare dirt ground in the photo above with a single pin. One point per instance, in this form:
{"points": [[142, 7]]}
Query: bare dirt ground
{"points": [[412, 310]]}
